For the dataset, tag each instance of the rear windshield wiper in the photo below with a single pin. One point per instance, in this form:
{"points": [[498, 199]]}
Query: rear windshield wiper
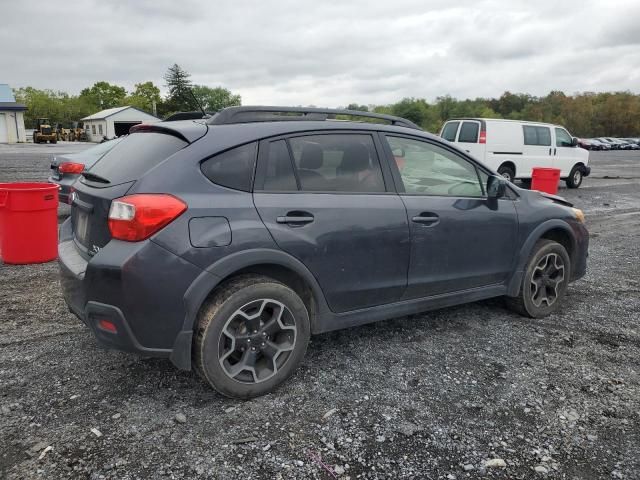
{"points": [[95, 178]]}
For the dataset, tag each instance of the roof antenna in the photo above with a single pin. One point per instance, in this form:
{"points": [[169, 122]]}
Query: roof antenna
{"points": [[195, 99]]}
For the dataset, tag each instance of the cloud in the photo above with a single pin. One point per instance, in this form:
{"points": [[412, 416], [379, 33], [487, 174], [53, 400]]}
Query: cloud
{"points": [[329, 53]]}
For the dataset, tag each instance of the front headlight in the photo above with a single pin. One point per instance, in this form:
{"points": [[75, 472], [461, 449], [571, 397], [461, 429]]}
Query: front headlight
{"points": [[579, 214]]}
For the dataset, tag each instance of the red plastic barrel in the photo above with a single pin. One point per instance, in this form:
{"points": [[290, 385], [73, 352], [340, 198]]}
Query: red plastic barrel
{"points": [[28, 222], [545, 179]]}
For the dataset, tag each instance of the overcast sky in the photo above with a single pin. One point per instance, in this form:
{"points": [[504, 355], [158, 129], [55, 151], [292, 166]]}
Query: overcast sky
{"points": [[327, 52]]}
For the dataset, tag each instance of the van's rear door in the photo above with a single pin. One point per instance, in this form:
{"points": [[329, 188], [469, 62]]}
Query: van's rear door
{"points": [[469, 139]]}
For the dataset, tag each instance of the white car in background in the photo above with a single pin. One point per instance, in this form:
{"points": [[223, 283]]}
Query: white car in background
{"points": [[514, 147]]}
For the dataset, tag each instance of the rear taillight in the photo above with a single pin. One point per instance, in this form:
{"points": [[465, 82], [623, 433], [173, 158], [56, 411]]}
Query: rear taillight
{"points": [[70, 167], [483, 136], [136, 217]]}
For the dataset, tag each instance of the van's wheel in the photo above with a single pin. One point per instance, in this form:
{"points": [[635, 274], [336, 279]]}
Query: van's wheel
{"points": [[574, 180], [507, 172], [544, 282], [251, 336]]}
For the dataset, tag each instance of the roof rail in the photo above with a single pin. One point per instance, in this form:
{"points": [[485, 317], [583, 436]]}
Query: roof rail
{"points": [[248, 114]]}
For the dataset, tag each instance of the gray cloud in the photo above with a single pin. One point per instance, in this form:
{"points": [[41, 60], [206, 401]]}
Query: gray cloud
{"points": [[327, 53]]}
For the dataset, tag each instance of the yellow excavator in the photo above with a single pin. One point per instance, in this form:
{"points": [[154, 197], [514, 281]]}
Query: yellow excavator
{"points": [[43, 132]]}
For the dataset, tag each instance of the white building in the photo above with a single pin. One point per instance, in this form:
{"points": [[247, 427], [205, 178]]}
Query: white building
{"points": [[114, 122], [11, 117]]}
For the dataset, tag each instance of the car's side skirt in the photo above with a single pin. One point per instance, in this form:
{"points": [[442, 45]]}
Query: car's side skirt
{"points": [[330, 321]]}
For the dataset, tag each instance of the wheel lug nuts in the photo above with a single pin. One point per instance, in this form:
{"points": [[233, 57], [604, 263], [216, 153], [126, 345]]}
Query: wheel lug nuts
{"points": [[262, 344], [253, 349], [248, 340]]}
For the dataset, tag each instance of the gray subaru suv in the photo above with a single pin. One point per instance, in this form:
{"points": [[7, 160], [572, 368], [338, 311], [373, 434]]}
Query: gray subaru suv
{"points": [[224, 243]]}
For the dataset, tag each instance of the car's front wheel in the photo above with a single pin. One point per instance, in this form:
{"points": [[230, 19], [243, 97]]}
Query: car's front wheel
{"points": [[251, 336], [545, 281]]}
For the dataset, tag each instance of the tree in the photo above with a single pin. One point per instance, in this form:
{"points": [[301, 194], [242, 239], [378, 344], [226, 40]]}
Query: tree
{"points": [[58, 107], [104, 95], [179, 84], [144, 96], [359, 108], [214, 99]]}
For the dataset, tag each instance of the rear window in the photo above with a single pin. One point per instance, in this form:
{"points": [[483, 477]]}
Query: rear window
{"points": [[449, 131], [233, 168], [537, 135], [469, 132], [135, 155]]}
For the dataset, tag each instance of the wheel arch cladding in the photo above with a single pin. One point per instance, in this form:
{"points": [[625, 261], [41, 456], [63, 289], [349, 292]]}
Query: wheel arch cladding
{"points": [[556, 230], [271, 263]]}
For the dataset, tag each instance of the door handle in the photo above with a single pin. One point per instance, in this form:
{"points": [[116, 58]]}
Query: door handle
{"points": [[295, 218], [554, 151], [549, 151], [427, 218]]}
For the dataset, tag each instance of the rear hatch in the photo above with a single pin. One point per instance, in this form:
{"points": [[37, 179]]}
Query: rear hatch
{"points": [[114, 174]]}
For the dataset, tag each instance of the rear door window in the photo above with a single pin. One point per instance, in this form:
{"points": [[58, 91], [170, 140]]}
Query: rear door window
{"points": [[337, 163], [534, 135], [135, 155], [450, 130], [278, 173], [469, 132], [233, 168]]}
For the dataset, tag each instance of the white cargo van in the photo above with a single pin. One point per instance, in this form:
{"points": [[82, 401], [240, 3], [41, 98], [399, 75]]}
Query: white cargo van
{"points": [[514, 147]]}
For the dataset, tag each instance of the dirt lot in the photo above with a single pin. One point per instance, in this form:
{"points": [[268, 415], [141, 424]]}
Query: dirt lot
{"points": [[430, 396]]}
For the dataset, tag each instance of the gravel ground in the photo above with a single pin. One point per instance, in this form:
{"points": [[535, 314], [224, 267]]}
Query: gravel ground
{"points": [[459, 393]]}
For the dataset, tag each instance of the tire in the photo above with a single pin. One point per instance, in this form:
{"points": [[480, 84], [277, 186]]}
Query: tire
{"points": [[241, 360], [531, 303], [574, 180], [507, 172]]}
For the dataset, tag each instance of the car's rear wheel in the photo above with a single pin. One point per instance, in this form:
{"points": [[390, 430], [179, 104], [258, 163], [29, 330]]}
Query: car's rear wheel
{"points": [[574, 180], [251, 336], [545, 281], [507, 172]]}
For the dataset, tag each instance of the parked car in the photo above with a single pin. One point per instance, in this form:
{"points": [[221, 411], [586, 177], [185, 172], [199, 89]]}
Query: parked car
{"points": [[632, 143], [513, 147], [611, 143], [598, 145], [224, 244], [622, 144], [67, 168], [587, 144]]}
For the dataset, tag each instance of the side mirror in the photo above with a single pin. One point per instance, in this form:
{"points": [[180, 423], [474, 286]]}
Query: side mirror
{"points": [[574, 142], [496, 186]]}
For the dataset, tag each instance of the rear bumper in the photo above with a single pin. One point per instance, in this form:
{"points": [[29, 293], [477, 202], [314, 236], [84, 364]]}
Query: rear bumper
{"points": [[124, 295]]}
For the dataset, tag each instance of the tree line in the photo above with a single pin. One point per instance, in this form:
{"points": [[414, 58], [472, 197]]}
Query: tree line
{"points": [[585, 114], [63, 108]]}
